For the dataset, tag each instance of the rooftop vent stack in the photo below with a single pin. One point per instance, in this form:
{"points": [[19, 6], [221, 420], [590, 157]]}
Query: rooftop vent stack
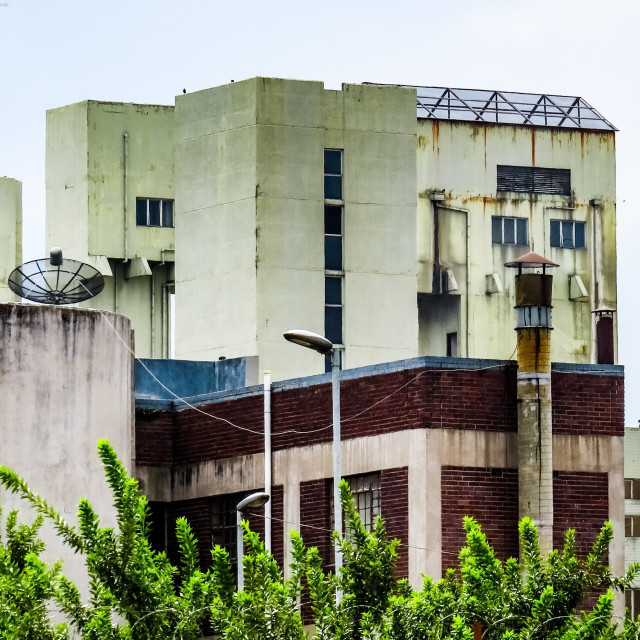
{"points": [[535, 457]]}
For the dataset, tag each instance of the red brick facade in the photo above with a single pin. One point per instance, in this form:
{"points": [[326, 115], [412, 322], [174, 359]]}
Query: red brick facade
{"points": [[480, 397], [580, 502], [586, 403], [488, 495]]}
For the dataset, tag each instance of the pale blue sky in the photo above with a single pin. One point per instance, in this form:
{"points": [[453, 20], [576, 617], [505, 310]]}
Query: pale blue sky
{"points": [[54, 53]]}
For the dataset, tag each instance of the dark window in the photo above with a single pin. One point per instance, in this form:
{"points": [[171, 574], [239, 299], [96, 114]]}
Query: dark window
{"points": [[333, 290], [333, 220], [605, 342], [333, 324], [534, 180], [333, 259], [333, 174], [567, 234], [154, 212], [632, 488], [506, 230], [632, 526], [333, 253], [158, 526], [452, 345], [224, 525], [632, 602]]}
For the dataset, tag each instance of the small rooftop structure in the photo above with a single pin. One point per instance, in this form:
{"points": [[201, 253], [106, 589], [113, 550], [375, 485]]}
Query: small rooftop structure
{"points": [[508, 107], [530, 260]]}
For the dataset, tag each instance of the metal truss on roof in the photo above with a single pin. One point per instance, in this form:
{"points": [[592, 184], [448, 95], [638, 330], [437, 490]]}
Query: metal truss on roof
{"points": [[509, 107]]}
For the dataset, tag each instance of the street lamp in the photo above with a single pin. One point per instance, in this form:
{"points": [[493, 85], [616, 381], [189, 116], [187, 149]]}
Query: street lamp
{"points": [[252, 501], [325, 347]]}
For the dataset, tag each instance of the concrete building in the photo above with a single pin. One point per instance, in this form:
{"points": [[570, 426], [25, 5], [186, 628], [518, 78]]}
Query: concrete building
{"points": [[11, 236], [426, 441], [379, 216], [110, 193]]}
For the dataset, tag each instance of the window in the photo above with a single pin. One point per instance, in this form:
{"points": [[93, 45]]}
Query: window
{"points": [[452, 345], [333, 258], [632, 488], [509, 230], [153, 212], [333, 174], [632, 602], [534, 180], [366, 493], [567, 234], [632, 526], [224, 531]]}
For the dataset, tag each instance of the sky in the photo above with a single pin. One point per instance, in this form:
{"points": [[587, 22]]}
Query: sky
{"points": [[56, 52]]}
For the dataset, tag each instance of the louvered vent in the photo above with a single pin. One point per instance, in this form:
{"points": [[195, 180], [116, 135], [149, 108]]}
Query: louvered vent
{"points": [[534, 180]]}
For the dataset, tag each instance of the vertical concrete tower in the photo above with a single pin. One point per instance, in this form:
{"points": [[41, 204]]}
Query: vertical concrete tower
{"points": [[535, 455]]}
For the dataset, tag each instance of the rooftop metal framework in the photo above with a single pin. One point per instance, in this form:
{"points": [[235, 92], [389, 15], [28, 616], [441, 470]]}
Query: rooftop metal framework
{"points": [[509, 107]]}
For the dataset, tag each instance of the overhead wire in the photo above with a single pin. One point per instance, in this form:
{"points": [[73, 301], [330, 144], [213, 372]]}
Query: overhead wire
{"points": [[184, 401]]}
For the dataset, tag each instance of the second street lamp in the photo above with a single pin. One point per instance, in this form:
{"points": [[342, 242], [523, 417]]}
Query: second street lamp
{"points": [[252, 501], [323, 346]]}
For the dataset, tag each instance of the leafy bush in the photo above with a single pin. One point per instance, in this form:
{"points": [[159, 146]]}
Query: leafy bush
{"points": [[136, 593]]}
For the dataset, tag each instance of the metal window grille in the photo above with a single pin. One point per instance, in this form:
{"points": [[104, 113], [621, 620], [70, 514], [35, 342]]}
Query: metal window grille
{"points": [[223, 518], [534, 180], [366, 492]]}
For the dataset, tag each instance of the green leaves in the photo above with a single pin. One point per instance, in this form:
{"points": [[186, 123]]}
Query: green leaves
{"points": [[135, 593]]}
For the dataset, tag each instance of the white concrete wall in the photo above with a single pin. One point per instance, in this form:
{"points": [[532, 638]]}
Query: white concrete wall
{"points": [[93, 179], [66, 380], [461, 160], [250, 230], [10, 233]]}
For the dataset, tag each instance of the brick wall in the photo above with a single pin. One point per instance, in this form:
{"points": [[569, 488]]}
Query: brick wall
{"points": [[315, 517], [395, 511], [377, 404], [587, 404], [580, 501], [488, 495], [154, 438]]}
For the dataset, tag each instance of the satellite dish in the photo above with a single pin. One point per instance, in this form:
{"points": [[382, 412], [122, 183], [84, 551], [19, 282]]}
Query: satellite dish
{"points": [[56, 280]]}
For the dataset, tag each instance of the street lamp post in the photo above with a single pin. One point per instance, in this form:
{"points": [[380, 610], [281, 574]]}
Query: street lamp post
{"points": [[252, 501], [320, 344]]}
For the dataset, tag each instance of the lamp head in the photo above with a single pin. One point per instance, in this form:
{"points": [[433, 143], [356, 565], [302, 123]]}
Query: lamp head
{"points": [[310, 340]]}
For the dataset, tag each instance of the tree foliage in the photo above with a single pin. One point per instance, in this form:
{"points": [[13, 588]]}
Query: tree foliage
{"points": [[136, 593]]}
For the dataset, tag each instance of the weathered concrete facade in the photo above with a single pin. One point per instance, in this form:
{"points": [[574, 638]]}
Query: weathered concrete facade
{"points": [[101, 159], [11, 236], [250, 220], [66, 380], [420, 270], [457, 162]]}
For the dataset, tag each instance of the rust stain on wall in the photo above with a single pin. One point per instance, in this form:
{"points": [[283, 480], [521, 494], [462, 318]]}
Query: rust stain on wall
{"points": [[533, 147]]}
